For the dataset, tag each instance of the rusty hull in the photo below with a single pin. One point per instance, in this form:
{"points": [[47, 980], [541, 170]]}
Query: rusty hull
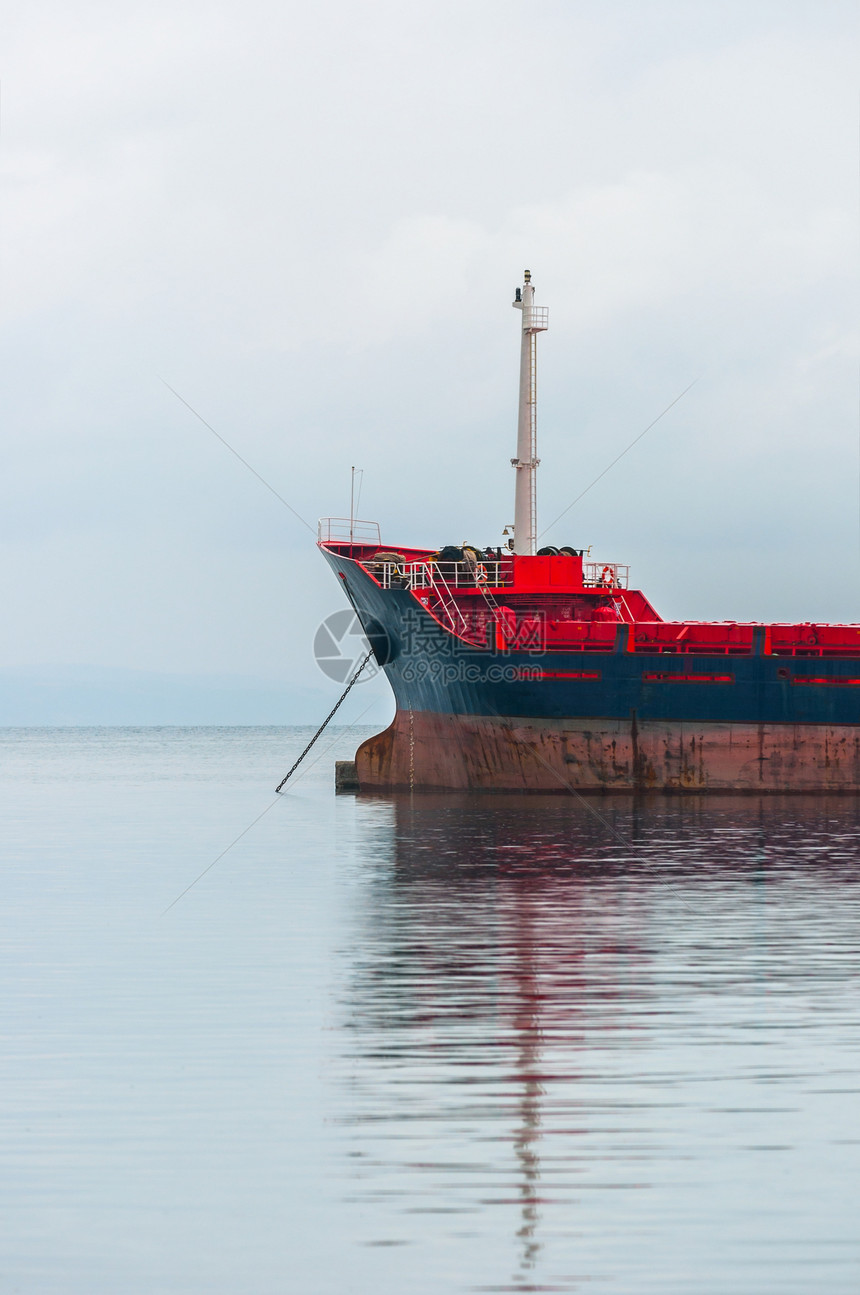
{"points": [[425, 751]]}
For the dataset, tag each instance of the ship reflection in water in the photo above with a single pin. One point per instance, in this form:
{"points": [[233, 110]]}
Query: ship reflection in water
{"points": [[570, 1061]]}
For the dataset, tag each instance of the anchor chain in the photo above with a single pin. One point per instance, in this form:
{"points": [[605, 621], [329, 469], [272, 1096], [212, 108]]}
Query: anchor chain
{"points": [[326, 721]]}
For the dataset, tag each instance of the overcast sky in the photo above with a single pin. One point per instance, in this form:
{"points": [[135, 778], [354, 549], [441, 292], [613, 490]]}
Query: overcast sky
{"points": [[309, 221]]}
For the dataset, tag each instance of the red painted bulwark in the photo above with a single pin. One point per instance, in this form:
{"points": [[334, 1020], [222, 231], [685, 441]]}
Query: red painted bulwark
{"points": [[557, 572]]}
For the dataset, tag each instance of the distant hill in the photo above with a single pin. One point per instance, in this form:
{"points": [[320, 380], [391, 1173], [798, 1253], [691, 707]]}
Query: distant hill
{"points": [[85, 695]]}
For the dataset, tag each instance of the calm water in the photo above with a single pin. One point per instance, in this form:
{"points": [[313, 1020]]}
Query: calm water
{"points": [[433, 1046]]}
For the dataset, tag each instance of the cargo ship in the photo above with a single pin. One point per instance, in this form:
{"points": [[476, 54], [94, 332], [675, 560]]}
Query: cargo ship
{"points": [[519, 668]]}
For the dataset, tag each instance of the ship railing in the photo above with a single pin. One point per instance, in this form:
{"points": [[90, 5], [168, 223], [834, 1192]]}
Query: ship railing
{"points": [[535, 319], [426, 575], [449, 603], [456, 575], [348, 530], [467, 575], [608, 575]]}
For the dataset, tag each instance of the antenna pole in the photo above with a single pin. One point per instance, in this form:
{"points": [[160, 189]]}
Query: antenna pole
{"points": [[351, 508], [535, 320]]}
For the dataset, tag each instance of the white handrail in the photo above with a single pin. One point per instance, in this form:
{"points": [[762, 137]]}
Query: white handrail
{"points": [[438, 575], [612, 575], [425, 575], [345, 530]]}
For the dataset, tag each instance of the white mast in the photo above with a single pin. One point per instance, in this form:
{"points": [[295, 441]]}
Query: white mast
{"points": [[535, 320]]}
